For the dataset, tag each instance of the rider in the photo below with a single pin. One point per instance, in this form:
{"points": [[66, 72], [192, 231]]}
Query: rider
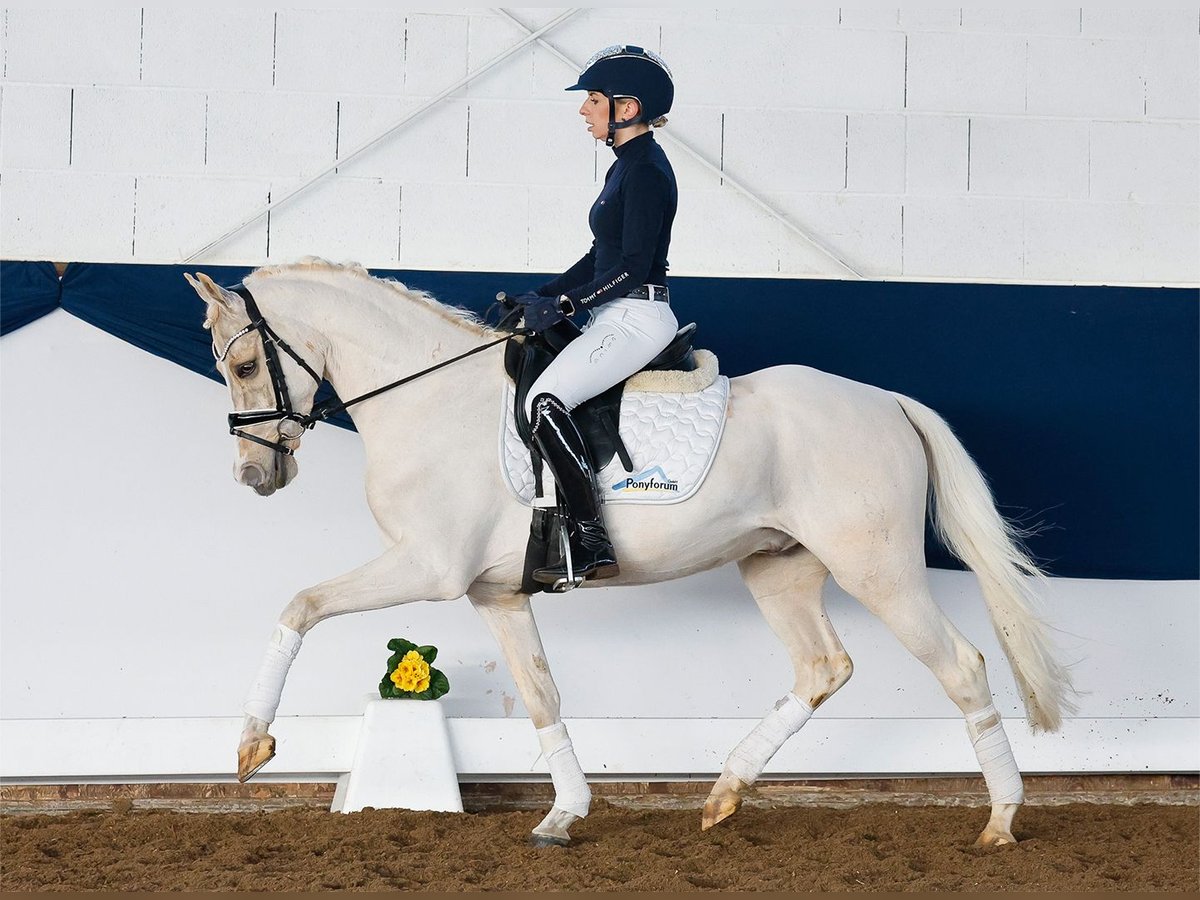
{"points": [[621, 281]]}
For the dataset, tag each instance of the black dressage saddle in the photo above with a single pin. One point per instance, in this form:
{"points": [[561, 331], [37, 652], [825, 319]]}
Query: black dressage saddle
{"points": [[597, 418]]}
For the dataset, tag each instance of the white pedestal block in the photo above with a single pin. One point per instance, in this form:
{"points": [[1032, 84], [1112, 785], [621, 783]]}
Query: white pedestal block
{"points": [[403, 760]]}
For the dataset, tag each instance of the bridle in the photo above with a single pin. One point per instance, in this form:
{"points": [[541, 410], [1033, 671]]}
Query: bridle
{"points": [[283, 412], [293, 424]]}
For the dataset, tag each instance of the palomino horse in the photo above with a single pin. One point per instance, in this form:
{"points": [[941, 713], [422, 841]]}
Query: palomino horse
{"points": [[840, 483]]}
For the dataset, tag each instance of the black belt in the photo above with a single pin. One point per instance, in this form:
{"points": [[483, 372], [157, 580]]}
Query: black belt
{"points": [[651, 292]]}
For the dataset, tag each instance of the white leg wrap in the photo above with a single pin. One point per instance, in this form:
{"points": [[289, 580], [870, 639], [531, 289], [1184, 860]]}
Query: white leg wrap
{"points": [[263, 698], [995, 756], [751, 756], [571, 792]]}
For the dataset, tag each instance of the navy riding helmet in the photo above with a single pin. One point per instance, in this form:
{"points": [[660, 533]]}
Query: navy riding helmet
{"points": [[627, 71]]}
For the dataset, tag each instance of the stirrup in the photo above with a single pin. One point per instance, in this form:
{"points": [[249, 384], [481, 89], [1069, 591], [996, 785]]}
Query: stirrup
{"points": [[570, 579]]}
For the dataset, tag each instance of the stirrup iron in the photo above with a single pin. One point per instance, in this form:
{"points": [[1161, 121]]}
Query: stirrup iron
{"points": [[570, 581]]}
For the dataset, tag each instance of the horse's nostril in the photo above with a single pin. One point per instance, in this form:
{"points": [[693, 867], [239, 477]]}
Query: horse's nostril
{"points": [[251, 475]]}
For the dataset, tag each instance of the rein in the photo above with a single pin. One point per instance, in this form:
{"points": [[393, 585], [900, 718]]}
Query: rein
{"points": [[293, 424]]}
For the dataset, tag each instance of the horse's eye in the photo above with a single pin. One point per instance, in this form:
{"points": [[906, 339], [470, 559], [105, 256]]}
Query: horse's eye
{"points": [[246, 369]]}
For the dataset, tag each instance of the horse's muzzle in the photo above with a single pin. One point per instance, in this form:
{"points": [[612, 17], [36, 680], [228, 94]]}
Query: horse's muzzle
{"points": [[254, 476], [265, 480]]}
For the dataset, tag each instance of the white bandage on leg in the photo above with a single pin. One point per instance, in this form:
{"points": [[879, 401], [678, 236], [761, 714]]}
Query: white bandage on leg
{"points": [[751, 756], [995, 756], [263, 698], [571, 793]]}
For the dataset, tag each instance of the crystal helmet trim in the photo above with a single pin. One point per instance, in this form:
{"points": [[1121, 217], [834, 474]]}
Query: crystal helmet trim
{"points": [[626, 50]]}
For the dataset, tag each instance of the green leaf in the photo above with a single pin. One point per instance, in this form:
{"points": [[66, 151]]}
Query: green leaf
{"points": [[386, 688], [401, 646], [439, 684], [429, 654]]}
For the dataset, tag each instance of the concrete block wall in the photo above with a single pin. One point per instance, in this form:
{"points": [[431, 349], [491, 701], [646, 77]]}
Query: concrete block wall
{"points": [[986, 144]]}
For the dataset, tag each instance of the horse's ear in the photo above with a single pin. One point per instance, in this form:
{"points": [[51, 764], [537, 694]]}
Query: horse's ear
{"points": [[217, 298]]}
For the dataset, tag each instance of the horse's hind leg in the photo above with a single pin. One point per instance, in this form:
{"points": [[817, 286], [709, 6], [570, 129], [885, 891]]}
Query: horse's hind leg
{"points": [[905, 605], [787, 587], [510, 619]]}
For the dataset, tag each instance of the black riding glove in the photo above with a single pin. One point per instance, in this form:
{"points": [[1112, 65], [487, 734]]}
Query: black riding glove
{"points": [[541, 312]]}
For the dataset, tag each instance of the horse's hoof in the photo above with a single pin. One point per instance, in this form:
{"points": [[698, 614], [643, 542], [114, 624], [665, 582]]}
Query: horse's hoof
{"points": [[552, 831], [253, 756], [724, 800], [718, 809], [549, 840], [991, 839]]}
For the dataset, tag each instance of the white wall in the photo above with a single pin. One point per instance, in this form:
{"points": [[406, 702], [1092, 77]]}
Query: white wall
{"points": [[1048, 145], [140, 584], [1055, 144]]}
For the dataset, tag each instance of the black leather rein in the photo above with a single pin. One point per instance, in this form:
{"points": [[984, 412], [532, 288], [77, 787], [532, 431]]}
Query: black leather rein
{"points": [[283, 412]]}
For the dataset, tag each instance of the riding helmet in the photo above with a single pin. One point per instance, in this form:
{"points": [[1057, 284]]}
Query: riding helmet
{"points": [[624, 70]]}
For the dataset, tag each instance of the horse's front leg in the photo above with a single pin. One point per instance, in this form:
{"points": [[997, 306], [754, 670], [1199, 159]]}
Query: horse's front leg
{"points": [[395, 577], [510, 618]]}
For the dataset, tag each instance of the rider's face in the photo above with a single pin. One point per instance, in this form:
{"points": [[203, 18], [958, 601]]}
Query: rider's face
{"points": [[595, 112]]}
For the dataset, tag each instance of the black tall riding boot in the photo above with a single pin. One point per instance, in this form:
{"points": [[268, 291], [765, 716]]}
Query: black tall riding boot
{"points": [[563, 450]]}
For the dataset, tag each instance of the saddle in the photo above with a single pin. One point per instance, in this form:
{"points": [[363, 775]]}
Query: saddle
{"points": [[598, 417], [597, 420]]}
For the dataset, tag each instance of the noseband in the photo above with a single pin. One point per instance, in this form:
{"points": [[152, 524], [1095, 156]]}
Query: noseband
{"points": [[283, 412]]}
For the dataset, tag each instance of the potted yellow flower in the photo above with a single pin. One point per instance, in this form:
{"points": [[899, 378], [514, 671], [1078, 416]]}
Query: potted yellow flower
{"points": [[409, 675]]}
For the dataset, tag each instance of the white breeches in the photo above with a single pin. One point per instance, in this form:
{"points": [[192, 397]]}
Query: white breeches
{"points": [[620, 338]]}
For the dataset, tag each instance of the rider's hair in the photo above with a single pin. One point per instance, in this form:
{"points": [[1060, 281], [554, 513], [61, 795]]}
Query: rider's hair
{"points": [[656, 123]]}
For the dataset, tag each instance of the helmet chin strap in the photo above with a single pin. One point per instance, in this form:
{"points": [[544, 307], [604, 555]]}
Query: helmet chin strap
{"points": [[613, 124]]}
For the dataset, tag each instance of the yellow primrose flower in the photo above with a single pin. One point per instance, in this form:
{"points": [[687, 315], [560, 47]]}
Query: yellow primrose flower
{"points": [[412, 674]]}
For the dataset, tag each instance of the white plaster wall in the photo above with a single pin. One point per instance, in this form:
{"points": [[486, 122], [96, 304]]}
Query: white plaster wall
{"points": [[1055, 144], [141, 583]]}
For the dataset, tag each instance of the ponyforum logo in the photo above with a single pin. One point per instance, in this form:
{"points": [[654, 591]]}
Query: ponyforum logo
{"points": [[651, 480]]}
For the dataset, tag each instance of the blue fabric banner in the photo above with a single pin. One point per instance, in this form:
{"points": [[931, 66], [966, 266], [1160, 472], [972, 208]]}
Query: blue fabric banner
{"points": [[1081, 404], [28, 290]]}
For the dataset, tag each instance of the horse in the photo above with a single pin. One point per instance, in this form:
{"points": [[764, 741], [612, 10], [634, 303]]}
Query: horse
{"points": [[844, 476]]}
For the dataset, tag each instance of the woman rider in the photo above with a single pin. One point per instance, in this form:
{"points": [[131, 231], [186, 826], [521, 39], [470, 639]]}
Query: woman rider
{"points": [[621, 281]]}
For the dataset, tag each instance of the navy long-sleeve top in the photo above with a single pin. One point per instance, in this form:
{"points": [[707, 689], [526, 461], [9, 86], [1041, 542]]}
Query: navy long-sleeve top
{"points": [[631, 223]]}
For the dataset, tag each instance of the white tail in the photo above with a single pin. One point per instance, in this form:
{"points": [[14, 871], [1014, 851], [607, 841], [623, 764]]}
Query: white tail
{"points": [[965, 516]]}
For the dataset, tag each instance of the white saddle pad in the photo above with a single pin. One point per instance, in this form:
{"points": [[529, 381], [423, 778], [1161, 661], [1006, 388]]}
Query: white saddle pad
{"points": [[672, 439]]}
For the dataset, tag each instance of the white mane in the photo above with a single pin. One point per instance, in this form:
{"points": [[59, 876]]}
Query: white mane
{"points": [[315, 266]]}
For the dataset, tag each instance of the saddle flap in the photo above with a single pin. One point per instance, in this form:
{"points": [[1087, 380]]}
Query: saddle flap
{"points": [[671, 438]]}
